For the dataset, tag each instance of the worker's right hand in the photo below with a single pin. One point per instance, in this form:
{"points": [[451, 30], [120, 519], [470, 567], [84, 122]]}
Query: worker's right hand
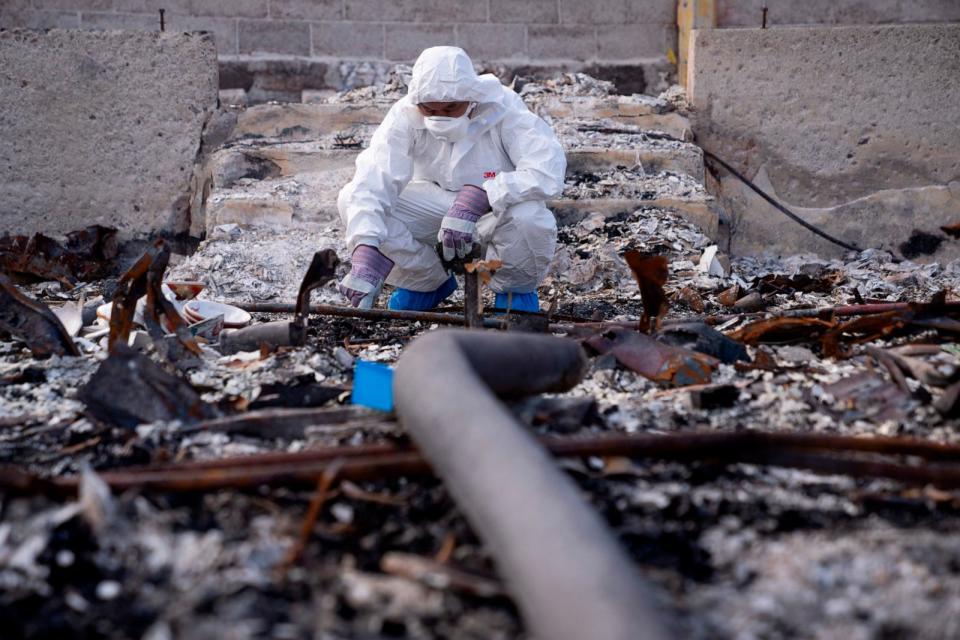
{"points": [[368, 271]]}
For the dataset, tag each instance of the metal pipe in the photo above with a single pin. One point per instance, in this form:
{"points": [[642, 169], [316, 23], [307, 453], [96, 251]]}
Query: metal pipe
{"points": [[432, 317], [453, 319], [569, 575]]}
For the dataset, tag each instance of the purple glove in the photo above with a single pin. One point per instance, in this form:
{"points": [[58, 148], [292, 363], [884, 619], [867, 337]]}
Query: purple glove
{"points": [[460, 223], [368, 270]]}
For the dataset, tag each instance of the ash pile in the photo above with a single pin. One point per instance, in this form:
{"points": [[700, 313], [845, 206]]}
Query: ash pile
{"points": [[770, 440]]}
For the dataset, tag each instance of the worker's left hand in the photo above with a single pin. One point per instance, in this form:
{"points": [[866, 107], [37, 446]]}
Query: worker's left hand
{"points": [[460, 224]]}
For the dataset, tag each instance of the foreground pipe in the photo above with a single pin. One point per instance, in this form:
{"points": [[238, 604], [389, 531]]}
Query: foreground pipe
{"points": [[569, 575]]}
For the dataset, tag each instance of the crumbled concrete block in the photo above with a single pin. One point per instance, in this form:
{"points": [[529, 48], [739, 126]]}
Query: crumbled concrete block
{"points": [[845, 123], [748, 13], [102, 128], [303, 121], [886, 220]]}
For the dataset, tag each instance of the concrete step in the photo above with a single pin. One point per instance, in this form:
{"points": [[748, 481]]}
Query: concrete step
{"points": [[300, 122], [231, 164]]}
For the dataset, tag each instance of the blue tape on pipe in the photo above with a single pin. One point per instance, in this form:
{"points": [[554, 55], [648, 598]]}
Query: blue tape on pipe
{"points": [[373, 385]]}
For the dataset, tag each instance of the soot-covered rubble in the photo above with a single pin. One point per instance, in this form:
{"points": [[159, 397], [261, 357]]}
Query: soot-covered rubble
{"points": [[737, 550]]}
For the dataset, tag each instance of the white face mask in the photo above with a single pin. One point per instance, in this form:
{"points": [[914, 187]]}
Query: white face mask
{"points": [[447, 128]]}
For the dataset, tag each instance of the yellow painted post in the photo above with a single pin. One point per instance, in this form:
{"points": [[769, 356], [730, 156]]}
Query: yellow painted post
{"points": [[691, 14]]}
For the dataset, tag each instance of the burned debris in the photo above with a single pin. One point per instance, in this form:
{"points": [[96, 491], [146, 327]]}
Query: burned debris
{"points": [[183, 454], [33, 322], [87, 254]]}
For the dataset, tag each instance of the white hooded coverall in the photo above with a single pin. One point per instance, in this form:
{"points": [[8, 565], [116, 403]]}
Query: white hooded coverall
{"points": [[407, 179]]}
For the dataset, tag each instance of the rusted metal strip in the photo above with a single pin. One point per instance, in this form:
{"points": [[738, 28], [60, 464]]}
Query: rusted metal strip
{"points": [[388, 460]]}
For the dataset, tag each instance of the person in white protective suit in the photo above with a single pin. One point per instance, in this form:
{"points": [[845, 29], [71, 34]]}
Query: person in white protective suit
{"points": [[459, 160]]}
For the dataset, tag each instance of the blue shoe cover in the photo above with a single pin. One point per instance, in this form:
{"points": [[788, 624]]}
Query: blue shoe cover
{"points": [[407, 300], [520, 302]]}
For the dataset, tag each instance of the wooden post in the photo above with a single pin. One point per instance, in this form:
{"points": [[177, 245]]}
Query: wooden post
{"points": [[691, 14]]}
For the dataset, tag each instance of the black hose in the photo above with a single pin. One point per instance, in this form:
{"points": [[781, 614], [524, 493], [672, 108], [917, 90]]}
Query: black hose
{"points": [[779, 207], [569, 575]]}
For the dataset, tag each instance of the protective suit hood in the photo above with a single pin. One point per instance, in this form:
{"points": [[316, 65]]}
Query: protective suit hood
{"points": [[446, 74]]}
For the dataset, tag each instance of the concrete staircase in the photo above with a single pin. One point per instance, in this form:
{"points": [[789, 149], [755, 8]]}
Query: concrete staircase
{"points": [[284, 163]]}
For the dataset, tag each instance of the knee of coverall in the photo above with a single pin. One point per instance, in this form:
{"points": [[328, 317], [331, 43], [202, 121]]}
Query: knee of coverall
{"points": [[524, 239]]}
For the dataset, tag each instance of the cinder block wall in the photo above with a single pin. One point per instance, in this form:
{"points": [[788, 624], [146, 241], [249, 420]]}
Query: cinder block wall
{"points": [[519, 31], [749, 13], [280, 47]]}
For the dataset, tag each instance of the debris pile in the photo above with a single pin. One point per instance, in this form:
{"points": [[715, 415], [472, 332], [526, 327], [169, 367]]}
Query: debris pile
{"points": [[767, 437], [631, 183]]}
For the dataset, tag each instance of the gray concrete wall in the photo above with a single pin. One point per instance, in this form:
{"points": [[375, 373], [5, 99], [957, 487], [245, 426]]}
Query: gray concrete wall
{"points": [[101, 127], [856, 126], [749, 13]]}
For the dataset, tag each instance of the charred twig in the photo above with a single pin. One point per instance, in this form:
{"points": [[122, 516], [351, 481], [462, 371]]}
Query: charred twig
{"points": [[355, 492], [313, 513], [891, 365], [437, 575]]}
